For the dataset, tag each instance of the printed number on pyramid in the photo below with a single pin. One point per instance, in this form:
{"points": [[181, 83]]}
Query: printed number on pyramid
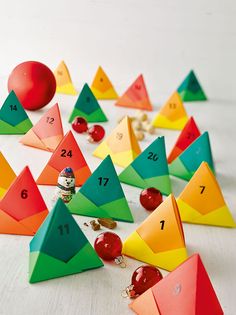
{"points": [[24, 194], [162, 224], [13, 107], [202, 189], [50, 120], [152, 156], [64, 229], [65, 153], [177, 289], [60, 72], [172, 105], [119, 135], [190, 135], [103, 181]]}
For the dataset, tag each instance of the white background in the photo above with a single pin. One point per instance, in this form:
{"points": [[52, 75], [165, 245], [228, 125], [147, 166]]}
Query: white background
{"points": [[163, 40]]}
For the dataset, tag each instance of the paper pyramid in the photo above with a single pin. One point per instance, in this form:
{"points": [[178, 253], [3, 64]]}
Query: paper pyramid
{"points": [[172, 114], [102, 87], [60, 248], [13, 118], [136, 96], [22, 208], [122, 144], [185, 291], [202, 201], [7, 175], [87, 106], [159, 240], [101, 196], [63, 79], [191, 90], [47, 133], [186, 137], [67, 154], [185, 165], [149, 169]]}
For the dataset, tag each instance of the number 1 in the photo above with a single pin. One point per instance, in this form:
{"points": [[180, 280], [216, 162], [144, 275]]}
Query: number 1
{"points": [[162, 224]]}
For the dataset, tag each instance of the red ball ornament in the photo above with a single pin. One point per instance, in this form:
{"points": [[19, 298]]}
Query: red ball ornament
{"points": [[34, 84], [80, 124], [150, 198], [96, 133]]}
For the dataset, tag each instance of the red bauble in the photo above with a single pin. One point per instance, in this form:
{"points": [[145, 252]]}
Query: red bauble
{"points": [[150, 198], [96, 133], [80, 124], [108, 246], [34, 84]]}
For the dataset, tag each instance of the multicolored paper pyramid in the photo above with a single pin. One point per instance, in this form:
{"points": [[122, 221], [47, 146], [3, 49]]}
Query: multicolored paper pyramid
{"points": [[202, 201], [60, 248], [22, 209], [190, 89], [47, 133], [87, 106], [102, 87], [136, 96], [172, 114], [159, 240], [185, 165], [7, 175], [149, 169], [13, 118], [67, 154], [185, 291], [63, 79], [101, 196], [122, 144], [186, 137]]}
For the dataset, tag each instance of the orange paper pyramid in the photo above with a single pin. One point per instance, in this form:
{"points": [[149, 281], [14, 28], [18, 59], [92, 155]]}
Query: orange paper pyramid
{"points": [[122, 144], [172, 115], [159, 240], [22, 209], [202, 201], [102, 87], [67, 154], [63, 79], [7, 175], [47, 133], [185, 291], [136, 96]]}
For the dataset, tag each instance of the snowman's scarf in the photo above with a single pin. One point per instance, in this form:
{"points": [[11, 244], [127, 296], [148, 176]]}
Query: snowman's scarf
{"points": [[71, 189]]}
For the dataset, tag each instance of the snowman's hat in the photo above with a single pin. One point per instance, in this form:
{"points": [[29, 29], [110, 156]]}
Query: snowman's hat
{"points": [[67, 172]]}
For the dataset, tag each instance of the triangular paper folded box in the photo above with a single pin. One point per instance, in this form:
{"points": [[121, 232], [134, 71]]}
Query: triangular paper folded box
{"points": [[185, 291], [149, 169], [87, 106], [60, 248], [102, 87], [122, 144], [22, 209], [47, 133], [202, 202], [13, 117], [67, 154], [101, 196], [63, 80], [159, 240], [7, 175]]}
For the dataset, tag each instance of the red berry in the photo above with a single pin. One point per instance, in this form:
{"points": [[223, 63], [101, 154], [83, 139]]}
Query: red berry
{"points": [[80, 124], [150, 198], [96, 133], [108, 246]]}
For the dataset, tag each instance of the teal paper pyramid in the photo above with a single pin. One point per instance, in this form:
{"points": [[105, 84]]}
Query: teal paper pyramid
{"points": [[60, 248], [13, 118], [185, 165], [149, 169], [191, 90], [101, 196], [87, 106]]}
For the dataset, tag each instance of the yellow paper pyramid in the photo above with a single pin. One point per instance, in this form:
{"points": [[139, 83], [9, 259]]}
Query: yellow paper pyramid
{"points": [[202, 202], [7, 175], [122, 144], [102, 87], [172, 114], [159, 240], [63, 79]]}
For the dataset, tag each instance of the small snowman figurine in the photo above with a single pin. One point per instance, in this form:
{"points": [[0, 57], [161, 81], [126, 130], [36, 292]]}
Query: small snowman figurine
{"points": [[65, 186]]}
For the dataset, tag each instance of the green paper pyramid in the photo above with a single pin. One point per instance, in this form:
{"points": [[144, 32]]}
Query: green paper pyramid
{"points": [[87, 106], [13, 118], [60, 248], [190, 89], [101, 196], [149, 169], [185, 165]]}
